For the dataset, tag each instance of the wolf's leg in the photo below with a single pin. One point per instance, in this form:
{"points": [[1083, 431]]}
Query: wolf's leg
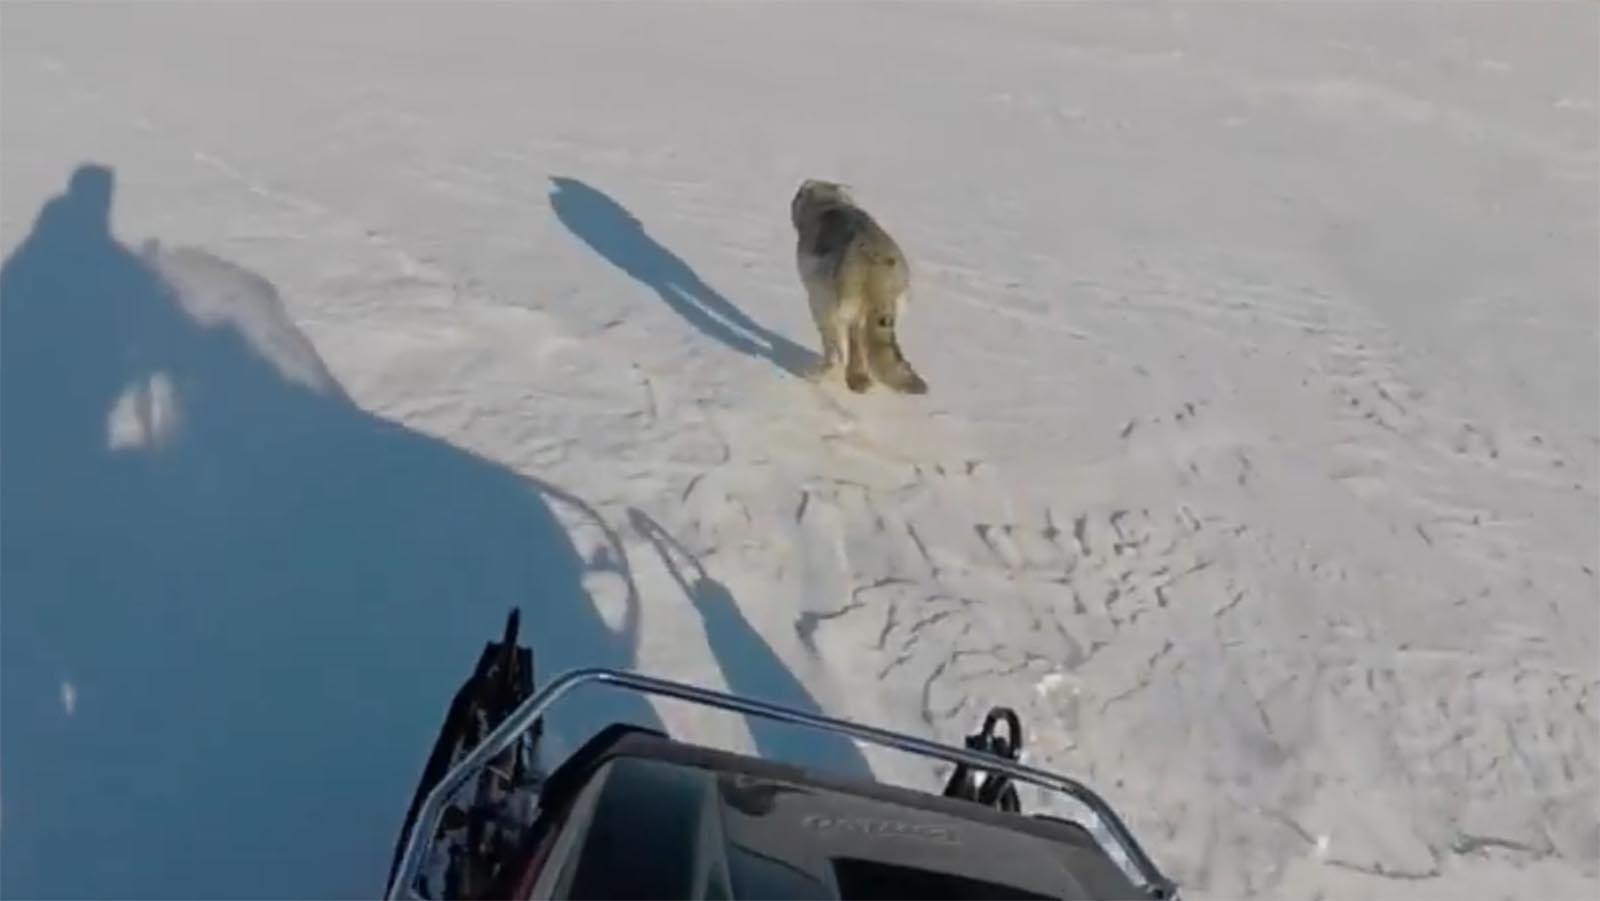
{"points": [[824, 312], [856, 376], [839, 326], [832, 350]]}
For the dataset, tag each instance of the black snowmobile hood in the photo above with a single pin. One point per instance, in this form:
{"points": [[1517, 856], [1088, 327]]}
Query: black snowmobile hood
{"points": [[635, 814]]}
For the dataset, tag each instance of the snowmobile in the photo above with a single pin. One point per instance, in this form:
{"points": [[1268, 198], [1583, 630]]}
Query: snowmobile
{"points": [[635, 813]]}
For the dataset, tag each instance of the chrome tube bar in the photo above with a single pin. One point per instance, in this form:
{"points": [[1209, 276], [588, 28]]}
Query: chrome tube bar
{"points": [[523, 718]]}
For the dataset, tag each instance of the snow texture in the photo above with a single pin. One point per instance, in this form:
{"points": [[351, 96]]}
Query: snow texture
{"points": [[1259, 471]]}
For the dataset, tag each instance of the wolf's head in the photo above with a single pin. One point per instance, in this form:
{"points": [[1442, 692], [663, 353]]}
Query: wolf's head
{"points": [[816, 194]]}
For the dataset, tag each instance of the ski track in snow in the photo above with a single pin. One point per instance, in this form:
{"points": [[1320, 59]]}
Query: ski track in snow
{"points": [[1259, 470]]}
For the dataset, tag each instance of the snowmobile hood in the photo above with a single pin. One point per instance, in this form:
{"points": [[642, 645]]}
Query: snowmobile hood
{"points": [[637, 814]]}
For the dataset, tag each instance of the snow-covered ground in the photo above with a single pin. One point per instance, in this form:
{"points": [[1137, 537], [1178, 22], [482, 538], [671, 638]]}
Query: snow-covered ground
{"points": [[1259, 470]]}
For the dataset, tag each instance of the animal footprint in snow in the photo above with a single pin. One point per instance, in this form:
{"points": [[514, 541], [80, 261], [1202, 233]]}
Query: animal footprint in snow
{"points": [[1475, 442]]}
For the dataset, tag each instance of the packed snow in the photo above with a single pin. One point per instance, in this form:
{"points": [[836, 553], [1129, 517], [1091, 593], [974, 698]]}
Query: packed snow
{"points": [[1258, 472]]}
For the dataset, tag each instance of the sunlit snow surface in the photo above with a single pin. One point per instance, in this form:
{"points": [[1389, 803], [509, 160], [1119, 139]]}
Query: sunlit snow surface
{"points": [[1258, 471]]}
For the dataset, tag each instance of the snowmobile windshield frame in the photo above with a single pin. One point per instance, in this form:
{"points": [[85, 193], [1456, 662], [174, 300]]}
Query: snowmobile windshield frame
{"points": [[1150, 878]]}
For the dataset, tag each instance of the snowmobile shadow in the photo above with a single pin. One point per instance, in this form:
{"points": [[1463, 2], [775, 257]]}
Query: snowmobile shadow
{"points": [[614, 233], [235, 605], [750, 667]]}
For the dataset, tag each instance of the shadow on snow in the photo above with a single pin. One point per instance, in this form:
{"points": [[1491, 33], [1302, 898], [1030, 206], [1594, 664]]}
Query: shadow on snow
{"points": [[235, 605]]}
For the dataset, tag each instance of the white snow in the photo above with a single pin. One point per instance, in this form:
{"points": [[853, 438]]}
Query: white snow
{"points": [[1259, 471]]}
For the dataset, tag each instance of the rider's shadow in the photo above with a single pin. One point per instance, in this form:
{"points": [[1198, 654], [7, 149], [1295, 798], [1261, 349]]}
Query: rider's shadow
{"points": [[235, 605]]}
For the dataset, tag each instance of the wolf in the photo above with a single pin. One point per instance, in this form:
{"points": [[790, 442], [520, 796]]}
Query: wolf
{"points": [[857, 281]]}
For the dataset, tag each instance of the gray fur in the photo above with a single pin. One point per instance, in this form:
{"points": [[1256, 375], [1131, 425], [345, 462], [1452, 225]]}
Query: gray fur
{"points": [[857, 282]]}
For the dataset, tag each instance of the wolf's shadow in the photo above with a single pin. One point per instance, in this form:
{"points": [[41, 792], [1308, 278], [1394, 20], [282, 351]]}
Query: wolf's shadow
{"points": [[618, 236], [235, 606]]}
